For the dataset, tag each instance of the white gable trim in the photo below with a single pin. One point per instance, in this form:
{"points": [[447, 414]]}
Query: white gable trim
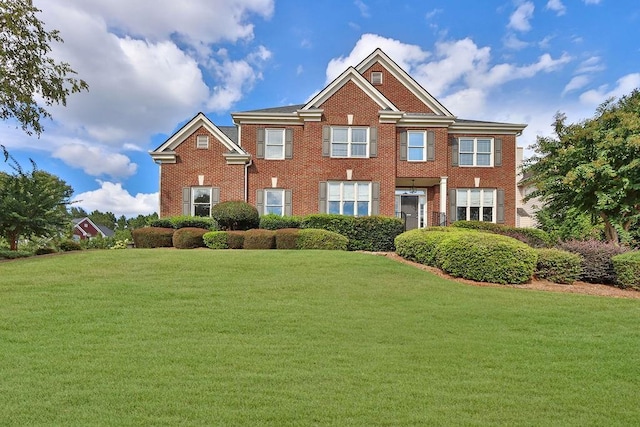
{"points": [[379, 56], [93, 224]]}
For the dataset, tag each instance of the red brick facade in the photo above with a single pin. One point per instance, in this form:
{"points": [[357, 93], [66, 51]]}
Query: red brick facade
{"points": [[387, 110]]}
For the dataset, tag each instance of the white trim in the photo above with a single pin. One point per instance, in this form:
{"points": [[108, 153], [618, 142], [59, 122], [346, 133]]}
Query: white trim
{"points": [[349, 142], [480, 207], [487, 127], [281, 131], [424, 145], [192, 207], [474, 153], [355, 200], [266, 205]]}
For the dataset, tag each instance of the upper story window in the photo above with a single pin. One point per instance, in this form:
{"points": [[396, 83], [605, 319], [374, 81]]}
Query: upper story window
{"points": [[476, 151], [349, 142], [416, 146], [349, 198], [274, 144], [376, 77], [202, 141]]}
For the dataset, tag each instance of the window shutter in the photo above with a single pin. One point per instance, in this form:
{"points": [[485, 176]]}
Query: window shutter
{"points": [[375, 198], [500, 206], [186, 200], [322, 198], [288, 143], [452, 205], [287, 202], [326, 141], [497, 160], [215, 196], [431, 145], [260, 144], [260, 201], [373, 142], [454, 152], [403, 145]]}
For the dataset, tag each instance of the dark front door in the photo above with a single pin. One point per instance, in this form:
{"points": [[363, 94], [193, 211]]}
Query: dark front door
{"points": [[409, 209]]}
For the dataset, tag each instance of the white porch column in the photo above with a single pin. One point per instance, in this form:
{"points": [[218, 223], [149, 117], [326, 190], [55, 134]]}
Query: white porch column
{"points": [[443, 194]]}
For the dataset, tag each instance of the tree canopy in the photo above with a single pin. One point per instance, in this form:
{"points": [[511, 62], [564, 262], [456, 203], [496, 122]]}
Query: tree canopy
{"points": [[27, 72], [593, 166]]}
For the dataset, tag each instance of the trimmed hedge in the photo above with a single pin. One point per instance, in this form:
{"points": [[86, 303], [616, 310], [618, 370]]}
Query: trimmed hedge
{"points": [[45, 251], [311, 238], [287, 238], [558, 266], [627, 269], [278, 222], [215, 240], [184, 221], [153, 237], [235, 239], [259, 239], [70, 245], [597, 266], [235, 215], [485, 257], [189, 238], [531, 236], [9, 254], [420, 245]]}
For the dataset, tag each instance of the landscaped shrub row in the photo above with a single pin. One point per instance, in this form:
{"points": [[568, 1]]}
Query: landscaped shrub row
{"points": [[183, 221], [153, 237], [531, 236], [627, 269], [597, 264], [558, 266], [281, 239], [420, 244], [278, 222], [189, 238]]}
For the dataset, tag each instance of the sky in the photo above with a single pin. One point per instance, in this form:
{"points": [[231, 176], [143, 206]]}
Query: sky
{"points": [[152, 65]]}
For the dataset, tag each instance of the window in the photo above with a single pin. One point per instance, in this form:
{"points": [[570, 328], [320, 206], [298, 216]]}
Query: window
{"points": [[349, 142], [417, 146], [201, 205], [476, 205], [274, 144], [349, 198], [202, 141], [376, 77], [274, 202], [476, 152]]}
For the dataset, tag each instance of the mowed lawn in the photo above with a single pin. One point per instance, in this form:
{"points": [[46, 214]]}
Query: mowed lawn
{"points": [[203, 337]]}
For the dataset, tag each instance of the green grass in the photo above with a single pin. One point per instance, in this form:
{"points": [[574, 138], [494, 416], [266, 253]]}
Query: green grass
{"points": [[202, 337]]}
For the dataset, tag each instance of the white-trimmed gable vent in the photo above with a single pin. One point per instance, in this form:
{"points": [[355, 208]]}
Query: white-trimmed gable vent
{"points": [[202, 141], [376, 77]]}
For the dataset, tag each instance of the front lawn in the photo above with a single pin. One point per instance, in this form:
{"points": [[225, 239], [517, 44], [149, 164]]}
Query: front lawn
{"points": [[203, 337]]}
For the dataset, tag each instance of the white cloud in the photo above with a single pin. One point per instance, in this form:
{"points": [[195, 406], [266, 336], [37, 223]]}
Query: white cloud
{"points": [[363, 8], [591, 1], [590, 65], [557, 6], [433, 13], [111, 197], [578, 82], [511, 41], [95, 161], [520, 18], [624, 86]]}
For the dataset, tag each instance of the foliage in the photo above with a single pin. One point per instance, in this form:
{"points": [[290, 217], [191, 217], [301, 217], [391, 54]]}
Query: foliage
{"points": [[310, 238], [182, 221], [161, 222], [235, 239], [420, 245], [485, 257], [70, 245], [153, 237], [215, 240], [287, 238], [31, 203], [121, 244], [259, 239], [597, 266], [97, 242], [11, 254], [531, 236], [235, 215], [28, 75], [108, 219], [627, 269], [593, 166], [277, 222], [189, 237], [568, 223], [558, 266]]}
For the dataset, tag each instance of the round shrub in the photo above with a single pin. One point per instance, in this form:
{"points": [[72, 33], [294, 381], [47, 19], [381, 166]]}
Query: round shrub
{"points": [[597, 264], [287, 238], [45, 251], [278, 222], [627, 269], [420, 245], [189, 238], [486, 257], [235, 239], [70, 245], [153, 237], [235, 215], [215, 240], [533, 237], [311, 238], [558, 266], [259, 239]]}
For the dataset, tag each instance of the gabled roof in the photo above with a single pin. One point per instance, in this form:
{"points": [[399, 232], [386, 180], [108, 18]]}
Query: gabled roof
{"points": [[102, 229], [166, 152]]}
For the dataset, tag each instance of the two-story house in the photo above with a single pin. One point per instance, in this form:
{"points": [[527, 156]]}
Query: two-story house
{"points": [[372, 142]]}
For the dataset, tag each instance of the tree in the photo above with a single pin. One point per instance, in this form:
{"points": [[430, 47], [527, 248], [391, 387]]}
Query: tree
{"points": [[27, 73], [593, 166], [107, 219], [31, 203]]}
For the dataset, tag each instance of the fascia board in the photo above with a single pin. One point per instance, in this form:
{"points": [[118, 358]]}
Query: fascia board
{"points": [[488, 128]]}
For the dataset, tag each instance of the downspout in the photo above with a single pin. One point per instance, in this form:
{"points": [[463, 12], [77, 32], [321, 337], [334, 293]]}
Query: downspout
{"points": [[246, 180]]}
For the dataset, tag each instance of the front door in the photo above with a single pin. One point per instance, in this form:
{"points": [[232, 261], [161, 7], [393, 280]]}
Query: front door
{"points": [[409, 209]]}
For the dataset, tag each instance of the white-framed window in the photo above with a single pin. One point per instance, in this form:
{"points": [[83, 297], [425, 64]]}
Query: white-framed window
{"points": [[476, 151], [416, 146], [349, 142], [274, 202], [201, 201], [274, 144], [349, 198], [476, 204], [202, 141], [376, 77]]}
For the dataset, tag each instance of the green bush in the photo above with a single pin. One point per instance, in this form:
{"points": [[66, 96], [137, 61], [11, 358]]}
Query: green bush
{"points": [[373, 233], [45, 251], [153, 237], [235, 215], [485, 257], [161, 223], [627, 268], [215, 239], [531, 236], [70, 245], [277, 222], [310, 238], [259, 239], [235, 239], [189, 238], [287, 238], [420, 245], [184, 221], [558, 266], [9, 254]]}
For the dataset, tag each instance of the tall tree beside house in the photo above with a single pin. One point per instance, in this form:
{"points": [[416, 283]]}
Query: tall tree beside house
{"points": [[31, 203], [108, 219], [593, 166], [29, 77]]}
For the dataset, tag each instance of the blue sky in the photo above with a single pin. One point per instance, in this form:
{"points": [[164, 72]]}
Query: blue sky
{"points": [[154, 64]]}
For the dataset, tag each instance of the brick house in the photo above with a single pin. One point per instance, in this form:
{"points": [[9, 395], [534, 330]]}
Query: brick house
{"points": [[372, 142]]}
